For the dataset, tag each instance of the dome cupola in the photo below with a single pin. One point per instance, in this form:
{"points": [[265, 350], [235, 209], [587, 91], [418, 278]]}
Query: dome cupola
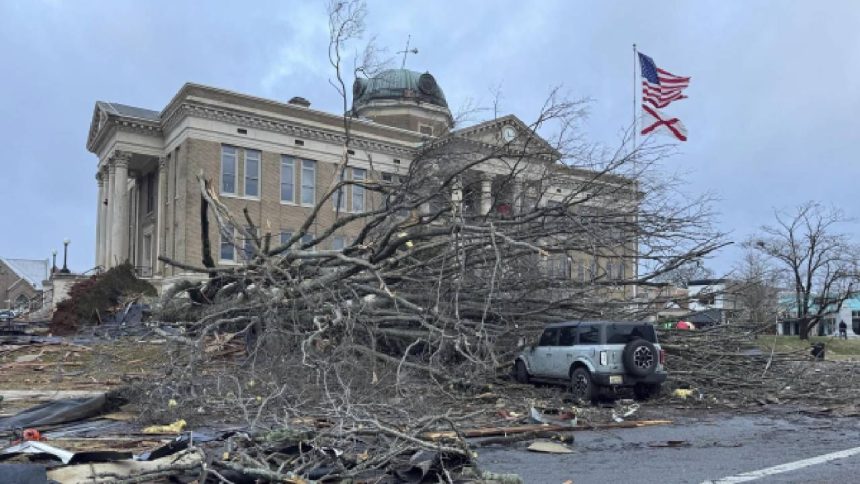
{"points": [[403, 99]]}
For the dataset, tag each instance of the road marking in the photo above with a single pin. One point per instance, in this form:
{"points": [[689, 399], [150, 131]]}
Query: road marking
{"points": [[791, 466]]}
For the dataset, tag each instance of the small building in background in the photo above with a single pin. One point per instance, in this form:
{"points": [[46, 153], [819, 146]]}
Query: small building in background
{"points": [[21, 283]]}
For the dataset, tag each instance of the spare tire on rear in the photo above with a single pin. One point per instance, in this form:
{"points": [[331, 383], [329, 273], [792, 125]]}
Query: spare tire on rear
{"points": [[640, 357]]}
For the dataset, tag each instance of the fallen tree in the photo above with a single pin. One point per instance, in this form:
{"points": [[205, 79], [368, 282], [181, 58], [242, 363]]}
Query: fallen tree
{"points": [[738, 364], [431, 298]]}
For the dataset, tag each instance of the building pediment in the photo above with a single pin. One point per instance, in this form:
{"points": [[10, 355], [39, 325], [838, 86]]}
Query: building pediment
{"points": [[111, 117], [510, 132]]}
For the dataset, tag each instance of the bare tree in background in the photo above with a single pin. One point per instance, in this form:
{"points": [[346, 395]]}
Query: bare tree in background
{"points": [[686, 272], [755, 286], [815, 258]]}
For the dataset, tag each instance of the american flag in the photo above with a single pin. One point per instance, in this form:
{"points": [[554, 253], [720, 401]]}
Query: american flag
{"points": [[659, 89]]}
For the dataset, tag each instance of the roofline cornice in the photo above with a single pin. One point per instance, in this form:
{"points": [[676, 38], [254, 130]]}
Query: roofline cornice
{"points": [[189, 108], [199, 91]]}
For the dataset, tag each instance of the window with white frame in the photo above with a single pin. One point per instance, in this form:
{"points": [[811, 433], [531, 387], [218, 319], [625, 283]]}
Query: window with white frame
{"points": [[338, 242], [227, 251], [248, 245], [228, 170], [358, 175], [338, 200], [309, 182], [288, 179], [252, 173]]}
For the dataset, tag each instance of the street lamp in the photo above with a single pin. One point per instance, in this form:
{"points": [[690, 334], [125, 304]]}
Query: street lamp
{"points": [[65, 269], [54, 263]]}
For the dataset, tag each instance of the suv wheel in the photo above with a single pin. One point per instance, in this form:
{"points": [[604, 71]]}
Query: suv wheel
{"points": [[581, 386], [644, 391], [640, 357], [521, 374]]}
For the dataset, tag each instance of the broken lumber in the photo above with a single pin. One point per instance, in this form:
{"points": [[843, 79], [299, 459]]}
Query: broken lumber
{"points": [[520, 429]]}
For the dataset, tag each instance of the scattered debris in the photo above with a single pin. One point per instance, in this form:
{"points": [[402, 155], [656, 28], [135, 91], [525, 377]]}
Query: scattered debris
{"points": [[174, 428], [626, 411], [62, 411], [725, 365], [682, 393], [549, 447], [64, 456], [187, 463], [553, 416], [671, 444]]}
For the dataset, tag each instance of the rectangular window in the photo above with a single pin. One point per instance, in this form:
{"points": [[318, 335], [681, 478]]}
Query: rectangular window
{"points": [[307, 239], [252, 173], [619, 334], [227, 252], [589, 335], [568, 336], [358, 191], [309, 182], [549, 337], [228, 170], [248, 246], [285, 236], [338, 242], [288, 179], [339, 197]]}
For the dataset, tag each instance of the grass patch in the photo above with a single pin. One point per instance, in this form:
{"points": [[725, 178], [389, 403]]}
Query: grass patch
{"points": [[836, 349]]}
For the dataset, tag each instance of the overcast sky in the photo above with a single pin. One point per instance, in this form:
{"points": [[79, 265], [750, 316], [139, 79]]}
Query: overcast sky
{"points": [[771, 114]]}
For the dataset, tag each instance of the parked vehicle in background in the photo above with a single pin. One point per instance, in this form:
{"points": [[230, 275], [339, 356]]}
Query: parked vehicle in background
{"points": [[7, 315], [593, 356]]}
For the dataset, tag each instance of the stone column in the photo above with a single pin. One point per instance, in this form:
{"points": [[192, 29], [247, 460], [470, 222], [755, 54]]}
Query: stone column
{"points": [[107, 232], [517, 197], [160, 216], [486, 193], [119, 227], [100, 218]]}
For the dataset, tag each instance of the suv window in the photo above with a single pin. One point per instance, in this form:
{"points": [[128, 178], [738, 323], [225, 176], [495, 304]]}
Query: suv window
{"points": [[589, 335], [549, 337], [567, 336], [624, 333]]}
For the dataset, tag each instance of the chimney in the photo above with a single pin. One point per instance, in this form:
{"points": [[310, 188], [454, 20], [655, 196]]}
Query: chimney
{"points": [[300, 101]]}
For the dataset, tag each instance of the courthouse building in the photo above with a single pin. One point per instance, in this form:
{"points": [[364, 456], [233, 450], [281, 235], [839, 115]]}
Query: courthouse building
{"points": [[277, 159]]}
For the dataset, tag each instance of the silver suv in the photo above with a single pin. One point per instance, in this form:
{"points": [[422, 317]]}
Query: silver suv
{"points": [[595, 355]]}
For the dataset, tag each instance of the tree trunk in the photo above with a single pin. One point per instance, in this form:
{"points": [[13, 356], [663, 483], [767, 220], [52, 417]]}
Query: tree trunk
{"points": [[803, 329]]}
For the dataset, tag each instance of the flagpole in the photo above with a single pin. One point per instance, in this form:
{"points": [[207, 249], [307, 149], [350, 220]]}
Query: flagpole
{"points": [[635, 174], [635, 56]]}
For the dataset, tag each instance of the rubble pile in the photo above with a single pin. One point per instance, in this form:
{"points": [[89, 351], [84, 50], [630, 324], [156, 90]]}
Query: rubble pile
{"points": [[730, 365]]}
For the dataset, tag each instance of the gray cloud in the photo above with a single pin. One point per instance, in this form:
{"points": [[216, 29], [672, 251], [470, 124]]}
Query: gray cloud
{"points": [[771, 112]]}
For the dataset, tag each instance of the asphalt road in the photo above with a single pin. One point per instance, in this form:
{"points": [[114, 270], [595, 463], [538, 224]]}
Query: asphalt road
{"points": [[715, 447]]}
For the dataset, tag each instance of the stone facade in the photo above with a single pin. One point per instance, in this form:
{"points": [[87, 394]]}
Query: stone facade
{"points": [[149, 163]]}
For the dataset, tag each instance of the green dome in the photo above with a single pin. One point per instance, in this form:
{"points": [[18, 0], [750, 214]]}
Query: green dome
{"points": [[398, 84]]}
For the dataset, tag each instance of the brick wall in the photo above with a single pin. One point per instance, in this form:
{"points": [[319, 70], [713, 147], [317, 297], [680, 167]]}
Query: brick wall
{"points": [[266, 211]]}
